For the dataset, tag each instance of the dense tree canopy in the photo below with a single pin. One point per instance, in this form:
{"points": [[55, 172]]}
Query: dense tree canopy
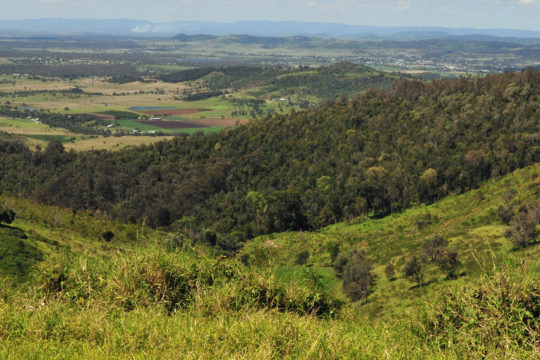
{"points": [[372, 155]]}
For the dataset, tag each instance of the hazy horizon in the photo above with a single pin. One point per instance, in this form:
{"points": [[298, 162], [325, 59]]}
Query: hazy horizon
{"points": [[478, 14], [277, 22]]}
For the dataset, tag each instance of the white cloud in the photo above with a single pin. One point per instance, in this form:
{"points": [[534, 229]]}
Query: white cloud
{"points": [[403, 5]]}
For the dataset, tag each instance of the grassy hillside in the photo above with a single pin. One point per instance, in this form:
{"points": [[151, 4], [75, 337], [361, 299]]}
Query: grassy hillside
{"points": [[469, 222], [150, 294]]}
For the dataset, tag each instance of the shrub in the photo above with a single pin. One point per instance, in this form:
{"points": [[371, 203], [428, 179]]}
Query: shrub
{"points": [[52, 281], [302, 257], [356, 271], [333, 249], [340, 263], [358, 279], [175, 241], [162, 217], [7, 216], [414, 269], [260, 292], [210, 237], [434, 247], [228, 243], [505, 213], [187, 225], [107, 235], [424, 220], [390, 271], [523, 231], [448, 261], [244, 259]]}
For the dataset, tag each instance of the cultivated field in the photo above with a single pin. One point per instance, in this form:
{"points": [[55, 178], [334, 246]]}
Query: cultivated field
{"points": [[163, 124], [173, 112]]}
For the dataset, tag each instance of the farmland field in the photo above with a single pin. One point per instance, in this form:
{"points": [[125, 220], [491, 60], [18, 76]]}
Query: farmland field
{"points": [[126, 106], [170, 124], [172, 112], [120, 97]]}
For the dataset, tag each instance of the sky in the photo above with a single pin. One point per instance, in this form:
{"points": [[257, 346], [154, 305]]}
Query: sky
{"points": [[486, 14]]}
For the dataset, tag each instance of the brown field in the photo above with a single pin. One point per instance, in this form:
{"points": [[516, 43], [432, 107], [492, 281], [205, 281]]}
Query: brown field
{"points": [[113, 142], [170, 124], [107, 88], [173, 112], [18, 127], [101, 103], [219, 121]]}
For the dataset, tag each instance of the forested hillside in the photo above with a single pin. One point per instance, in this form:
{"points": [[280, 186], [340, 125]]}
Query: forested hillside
{"points": [[372, 155]]}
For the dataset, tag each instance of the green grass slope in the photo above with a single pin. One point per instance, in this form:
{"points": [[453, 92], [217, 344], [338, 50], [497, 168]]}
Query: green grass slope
{"points": [[149, 294], [17, 254], [469, 222]]}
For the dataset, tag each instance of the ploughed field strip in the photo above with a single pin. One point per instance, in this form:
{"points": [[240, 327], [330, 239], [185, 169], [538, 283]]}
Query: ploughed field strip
{"points": [[218, 121], [170, 124], [173, 112]]}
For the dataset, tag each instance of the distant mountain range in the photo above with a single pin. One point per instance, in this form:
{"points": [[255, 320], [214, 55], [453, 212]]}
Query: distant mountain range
{"points": [[52, 26]]}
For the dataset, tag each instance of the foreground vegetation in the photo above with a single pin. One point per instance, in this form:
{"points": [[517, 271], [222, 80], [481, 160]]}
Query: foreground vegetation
{"points": [[85, 287]]}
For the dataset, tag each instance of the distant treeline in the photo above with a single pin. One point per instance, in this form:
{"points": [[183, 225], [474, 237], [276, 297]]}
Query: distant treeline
{"points": [[369, 156], [197, 73], [69, 71], [27, 93], [201, 95]]}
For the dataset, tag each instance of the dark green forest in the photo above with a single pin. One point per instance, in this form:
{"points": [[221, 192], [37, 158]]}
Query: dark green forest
{"points": [[372, 155]]}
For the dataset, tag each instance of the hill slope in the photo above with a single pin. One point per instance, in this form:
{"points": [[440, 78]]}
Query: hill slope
{"points": [[375, 155], [150, 294], [316, 84]]}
